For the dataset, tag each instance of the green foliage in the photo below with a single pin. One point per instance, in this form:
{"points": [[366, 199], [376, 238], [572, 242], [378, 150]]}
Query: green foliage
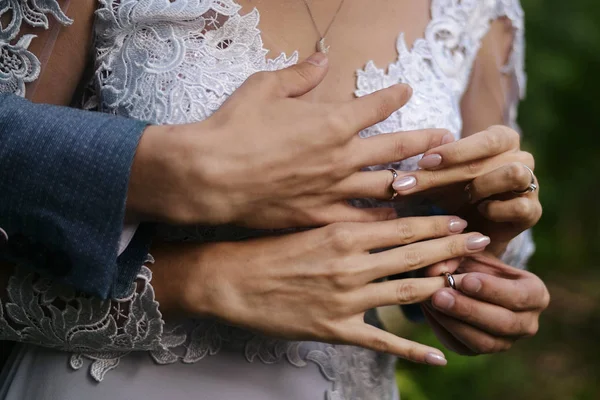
{"points": [[561, 121]]}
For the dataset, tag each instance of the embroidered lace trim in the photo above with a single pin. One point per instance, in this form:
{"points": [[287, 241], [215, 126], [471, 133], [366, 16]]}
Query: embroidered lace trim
{"points": [[41, 312], [18, 65]]}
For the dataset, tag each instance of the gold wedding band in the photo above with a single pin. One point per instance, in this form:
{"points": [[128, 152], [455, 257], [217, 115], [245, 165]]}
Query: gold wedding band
{"points": [[394, 177]]}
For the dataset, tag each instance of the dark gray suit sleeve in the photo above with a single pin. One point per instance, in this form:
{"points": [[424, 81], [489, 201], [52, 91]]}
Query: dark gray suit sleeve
{"points": [[63, 187]]}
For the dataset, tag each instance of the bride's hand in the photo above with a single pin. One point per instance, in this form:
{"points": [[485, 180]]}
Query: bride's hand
{"points": [[318, 284], [495, 305], [478, 177]]}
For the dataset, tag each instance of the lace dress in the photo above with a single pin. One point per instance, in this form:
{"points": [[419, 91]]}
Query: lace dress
{"points": [[177, 61]]}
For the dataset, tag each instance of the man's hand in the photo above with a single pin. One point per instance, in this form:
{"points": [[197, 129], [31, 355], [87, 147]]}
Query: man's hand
{"points": [[269, 159], [495, 305]]}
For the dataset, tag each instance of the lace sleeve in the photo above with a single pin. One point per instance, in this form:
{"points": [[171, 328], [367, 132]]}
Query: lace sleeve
{"points": [[39, 311]]}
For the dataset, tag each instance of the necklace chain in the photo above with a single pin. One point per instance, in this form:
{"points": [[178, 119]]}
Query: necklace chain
{"points": [[321, 45]]}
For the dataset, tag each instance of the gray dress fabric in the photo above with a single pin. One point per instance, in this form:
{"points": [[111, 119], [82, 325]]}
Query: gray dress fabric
{"points": [[177, 61]]}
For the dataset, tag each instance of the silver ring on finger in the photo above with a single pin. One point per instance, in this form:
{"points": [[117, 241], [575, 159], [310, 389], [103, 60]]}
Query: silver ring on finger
{"points": [[450, 280], [532, 185], [394, 177]]}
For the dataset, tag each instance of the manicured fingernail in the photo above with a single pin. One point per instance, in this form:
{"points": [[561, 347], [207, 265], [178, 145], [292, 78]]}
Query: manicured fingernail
{"points": [[408, 182], [470, 284], [435, 359], [430, 161], [319, 59], [448, 138], [457, 225], [477, 242], [443, 300]]}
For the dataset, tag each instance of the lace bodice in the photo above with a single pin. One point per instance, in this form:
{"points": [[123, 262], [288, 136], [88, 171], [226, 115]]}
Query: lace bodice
{"points": [[177, 61]]}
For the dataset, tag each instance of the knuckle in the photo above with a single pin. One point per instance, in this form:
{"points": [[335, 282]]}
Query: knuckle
{"points": [[486, 345], [380, 344], [522, 208], [546, 298], [342, 237], [493, 139], [413, 258], [516, 172], [523, 300], [405, 293], [264, 78], [532, 329], [400, 150], [383, 109], [463, 309], [337, 125], [339, 276], [440, 226], [404, 231], [432, 178], [454, 247], [528, 159], [474, 168]]}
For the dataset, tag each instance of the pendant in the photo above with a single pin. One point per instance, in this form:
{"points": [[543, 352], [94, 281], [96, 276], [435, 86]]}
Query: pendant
{"points": [[322, 47]]}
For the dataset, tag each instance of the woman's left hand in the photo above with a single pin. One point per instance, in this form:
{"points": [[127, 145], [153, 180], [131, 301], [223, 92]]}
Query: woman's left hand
{"points": [[494, 306], [479, 178]]}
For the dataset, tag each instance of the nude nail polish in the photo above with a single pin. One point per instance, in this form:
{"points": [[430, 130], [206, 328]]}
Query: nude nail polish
{"points": [[406, 183], [448, 138], [430, 161], [435, 359], [457, 225], [477, 242]]}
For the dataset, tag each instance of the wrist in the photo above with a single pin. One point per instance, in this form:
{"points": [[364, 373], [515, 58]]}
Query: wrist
{"points": [[170, 178], [180, 280]]}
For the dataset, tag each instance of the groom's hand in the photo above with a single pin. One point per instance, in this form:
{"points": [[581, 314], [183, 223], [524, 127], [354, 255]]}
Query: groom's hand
{"points": [[270, 159], [495, 305]]}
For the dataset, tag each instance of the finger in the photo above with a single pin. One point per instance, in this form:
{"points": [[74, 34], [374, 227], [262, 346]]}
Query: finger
{"points": [[398, 292], [419, 255], [301, 78], [400, 231], [493, 141], [523, 210], [478, 341], [418, 181], [508, 178], [394, 147], [371, 184], [369, 337], [439, 269], [493, 319], [343, 212], [371, 109], [526, 294], [445, 337]]}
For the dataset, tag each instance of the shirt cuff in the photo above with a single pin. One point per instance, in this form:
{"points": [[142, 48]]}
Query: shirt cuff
{"points": [[126, 236]]}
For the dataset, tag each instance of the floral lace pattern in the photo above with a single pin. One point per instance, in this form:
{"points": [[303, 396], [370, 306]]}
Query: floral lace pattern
{"points": [[39, 311], [18, 65]]}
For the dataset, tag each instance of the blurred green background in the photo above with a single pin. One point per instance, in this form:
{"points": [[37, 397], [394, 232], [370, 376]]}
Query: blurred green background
{"points": [[561, 122]]}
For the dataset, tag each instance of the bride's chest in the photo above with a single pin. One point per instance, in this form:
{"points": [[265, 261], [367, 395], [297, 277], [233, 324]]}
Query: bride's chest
{"points": [[177, 61]]}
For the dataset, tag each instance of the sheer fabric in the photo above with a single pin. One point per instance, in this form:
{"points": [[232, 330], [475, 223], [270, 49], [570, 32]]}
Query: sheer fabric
{"points": [[171, 62]]}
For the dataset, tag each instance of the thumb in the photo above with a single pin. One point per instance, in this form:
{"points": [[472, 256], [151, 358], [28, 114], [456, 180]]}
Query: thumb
{"points": [[303, 77]]}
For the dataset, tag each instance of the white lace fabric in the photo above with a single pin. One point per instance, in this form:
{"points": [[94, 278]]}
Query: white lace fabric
{"points": [[177, 61], [18, 65]]}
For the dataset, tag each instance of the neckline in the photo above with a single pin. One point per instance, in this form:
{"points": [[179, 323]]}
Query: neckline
{"points": [[295, 54]]}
